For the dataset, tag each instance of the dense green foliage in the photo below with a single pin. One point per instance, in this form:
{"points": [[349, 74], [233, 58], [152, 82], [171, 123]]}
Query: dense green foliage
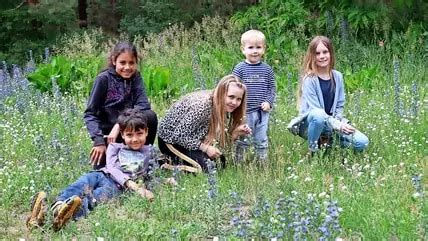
{"points": [[366, 20], [209, 50], [75, 76], [33, 27], [36, 25]]}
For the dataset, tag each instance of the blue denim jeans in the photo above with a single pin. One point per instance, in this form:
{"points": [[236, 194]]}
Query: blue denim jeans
{"points": [[258, 122], [316, 124], [92, 187]]}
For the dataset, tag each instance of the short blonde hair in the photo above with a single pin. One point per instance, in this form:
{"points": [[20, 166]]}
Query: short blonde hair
{"points": [[253, 35]]}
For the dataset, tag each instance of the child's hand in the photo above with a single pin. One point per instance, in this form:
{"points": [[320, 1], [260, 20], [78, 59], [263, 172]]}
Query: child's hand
{"points": [[347, 128], [144, 193], [241, 130], [114, 133], [97, 153], [171, 181], [246, 129], [213, 152], [132, 185], [265, 106]]}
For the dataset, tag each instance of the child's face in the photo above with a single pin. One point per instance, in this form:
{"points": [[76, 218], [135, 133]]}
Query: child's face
{"points": [[233, 97], [125, 65], [322, 56], [135, 139], [253, 51]]}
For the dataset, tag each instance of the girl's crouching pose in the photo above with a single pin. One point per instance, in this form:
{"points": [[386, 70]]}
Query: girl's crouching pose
{"points": [[321, 100]]}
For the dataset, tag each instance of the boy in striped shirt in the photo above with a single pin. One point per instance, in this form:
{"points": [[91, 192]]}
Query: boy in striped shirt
{"points": [[260, 81]]}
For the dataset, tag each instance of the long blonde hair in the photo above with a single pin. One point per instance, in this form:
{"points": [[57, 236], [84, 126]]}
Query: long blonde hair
{"points": [[309, 62], [217, 126]]}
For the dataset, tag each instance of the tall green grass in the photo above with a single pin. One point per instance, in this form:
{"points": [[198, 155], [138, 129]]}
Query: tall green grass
{"points": [[45, 147]]}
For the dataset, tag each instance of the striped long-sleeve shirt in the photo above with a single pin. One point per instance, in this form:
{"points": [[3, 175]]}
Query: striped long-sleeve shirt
{"points": [[260, 81]]}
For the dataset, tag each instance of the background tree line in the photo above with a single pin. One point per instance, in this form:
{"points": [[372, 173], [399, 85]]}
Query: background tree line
{"points": [[36, 24]]}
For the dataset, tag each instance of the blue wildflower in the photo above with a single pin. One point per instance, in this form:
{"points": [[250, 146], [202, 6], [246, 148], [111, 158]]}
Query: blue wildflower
{"points": [[196, 69], [398, 104]]}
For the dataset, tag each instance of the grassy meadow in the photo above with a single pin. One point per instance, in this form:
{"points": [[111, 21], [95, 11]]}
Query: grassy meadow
{"points": [[379, 194]]}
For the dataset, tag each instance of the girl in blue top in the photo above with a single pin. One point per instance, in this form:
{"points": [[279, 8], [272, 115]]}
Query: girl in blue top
{"points": [[321, 100]]}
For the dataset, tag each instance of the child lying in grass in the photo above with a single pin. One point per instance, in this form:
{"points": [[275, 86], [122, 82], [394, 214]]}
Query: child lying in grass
{"points": [[126, 163]]}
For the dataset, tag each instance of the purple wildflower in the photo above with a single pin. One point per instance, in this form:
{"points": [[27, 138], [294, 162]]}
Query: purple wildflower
{"points": [[196, 69], [398, 104]]}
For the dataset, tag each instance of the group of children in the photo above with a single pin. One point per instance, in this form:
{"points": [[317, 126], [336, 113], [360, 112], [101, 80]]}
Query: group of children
{"points": [[123, 127]]}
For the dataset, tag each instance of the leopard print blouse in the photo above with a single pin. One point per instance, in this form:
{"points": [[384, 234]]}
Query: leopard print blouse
{"points": [[186, 122]]}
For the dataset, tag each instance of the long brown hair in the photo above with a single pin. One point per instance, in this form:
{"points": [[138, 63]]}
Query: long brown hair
{"points": [[217, 126], [309, 62]]}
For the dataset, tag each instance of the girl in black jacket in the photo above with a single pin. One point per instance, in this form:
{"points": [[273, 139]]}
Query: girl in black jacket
{"points": [[115, 89]]}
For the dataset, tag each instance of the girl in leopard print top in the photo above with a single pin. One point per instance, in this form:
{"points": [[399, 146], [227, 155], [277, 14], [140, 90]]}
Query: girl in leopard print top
{"points": [[198, 120]]}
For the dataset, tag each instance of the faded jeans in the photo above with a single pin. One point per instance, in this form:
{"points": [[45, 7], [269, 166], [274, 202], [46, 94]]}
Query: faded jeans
{"points": [[258, 122], [92, 187], [316, 124]]}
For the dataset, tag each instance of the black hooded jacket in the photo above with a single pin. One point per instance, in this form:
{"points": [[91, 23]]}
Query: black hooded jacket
{"points": [[110, 96]]}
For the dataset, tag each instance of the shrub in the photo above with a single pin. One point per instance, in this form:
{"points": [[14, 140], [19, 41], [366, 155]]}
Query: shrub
{"points": [[74, 76]]}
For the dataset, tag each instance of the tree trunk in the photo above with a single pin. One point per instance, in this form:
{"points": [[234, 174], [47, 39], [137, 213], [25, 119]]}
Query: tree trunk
{"points": [[83, 15], [33, 2], [113, 5]]}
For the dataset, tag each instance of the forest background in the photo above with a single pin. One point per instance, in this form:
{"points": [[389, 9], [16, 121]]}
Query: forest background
{"points": [[36, 24], [51, 52]]}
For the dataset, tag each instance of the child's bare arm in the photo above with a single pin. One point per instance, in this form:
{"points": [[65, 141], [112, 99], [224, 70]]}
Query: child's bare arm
{"points": [[114, 133], [142, 191], [132, 185]]}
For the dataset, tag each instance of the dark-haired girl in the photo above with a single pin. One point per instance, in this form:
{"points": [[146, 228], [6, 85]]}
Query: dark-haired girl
{"points": [[115, 89]]}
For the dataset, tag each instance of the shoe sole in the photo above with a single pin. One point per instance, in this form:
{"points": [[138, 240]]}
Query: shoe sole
{"points": [[38, 210], [66, 212]]}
